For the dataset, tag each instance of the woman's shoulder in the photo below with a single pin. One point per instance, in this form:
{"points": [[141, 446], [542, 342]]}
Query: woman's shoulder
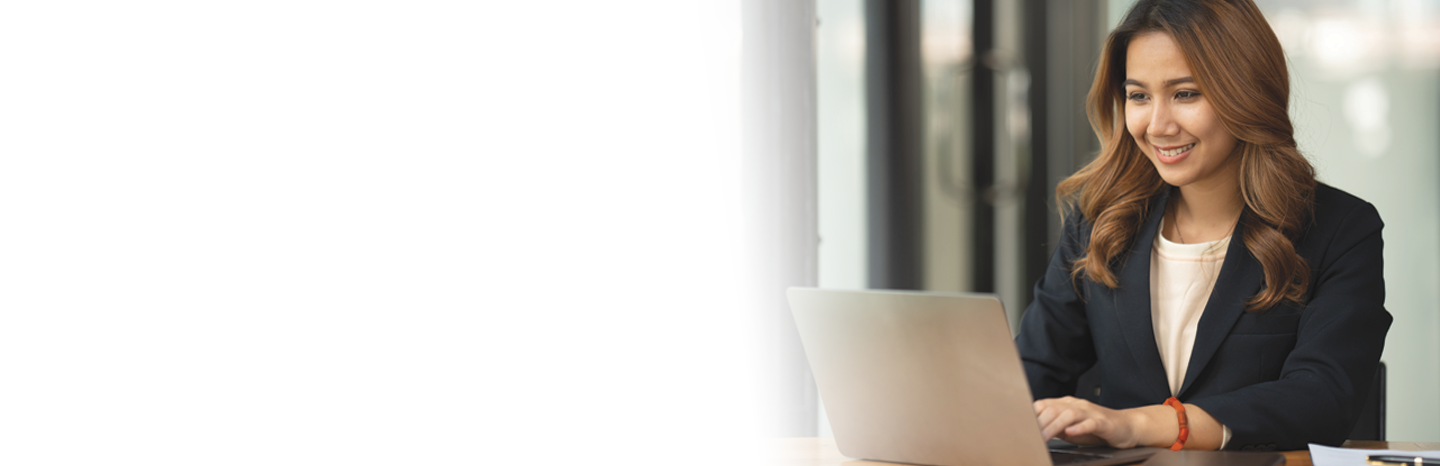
{"points": [[1340, 221], [1334, 207], [1326, 195]]}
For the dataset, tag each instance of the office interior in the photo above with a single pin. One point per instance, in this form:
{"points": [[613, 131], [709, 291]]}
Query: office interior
{"points": [[628, 272]]}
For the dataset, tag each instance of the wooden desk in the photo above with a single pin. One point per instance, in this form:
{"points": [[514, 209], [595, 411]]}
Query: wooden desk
{"points": [[813, 451]]}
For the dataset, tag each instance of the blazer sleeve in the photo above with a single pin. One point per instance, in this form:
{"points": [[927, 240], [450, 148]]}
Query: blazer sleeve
{"points": [[1341, 333], [1054, 338]]}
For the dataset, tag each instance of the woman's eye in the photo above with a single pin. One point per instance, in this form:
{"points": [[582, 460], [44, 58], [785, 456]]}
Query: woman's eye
{"points": [[1137, 97], [1186, 95]]}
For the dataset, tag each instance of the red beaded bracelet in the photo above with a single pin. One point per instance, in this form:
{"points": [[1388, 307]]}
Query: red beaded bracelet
{"points": [[1184, 426]]}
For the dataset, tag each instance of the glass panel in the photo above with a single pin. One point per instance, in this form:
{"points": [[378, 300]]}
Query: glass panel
{"points": [[840, 81], [1365, 89], [673, 256], [946, 54], [1364, 102]]}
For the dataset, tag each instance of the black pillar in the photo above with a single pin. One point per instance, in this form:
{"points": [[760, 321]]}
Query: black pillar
{"points": [[1062, 48], [1039, 190], [983, 149], [781, 232], [895, 144]]}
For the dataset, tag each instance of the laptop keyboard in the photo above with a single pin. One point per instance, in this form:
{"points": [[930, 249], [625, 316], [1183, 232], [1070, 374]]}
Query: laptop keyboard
{"points": [[1071, 456]]}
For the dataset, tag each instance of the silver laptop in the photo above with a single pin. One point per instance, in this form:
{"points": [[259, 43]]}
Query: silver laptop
{"points": [[927, 378]]}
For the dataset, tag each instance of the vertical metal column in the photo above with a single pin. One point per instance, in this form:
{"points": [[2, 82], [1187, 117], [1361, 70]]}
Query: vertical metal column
{"points": [[781, 230], [1040, 190], [983, 148], [895, 130], [1062, 47]]}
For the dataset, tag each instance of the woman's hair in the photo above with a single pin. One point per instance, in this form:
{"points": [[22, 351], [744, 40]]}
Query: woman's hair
{"points": [[1239, 66]]}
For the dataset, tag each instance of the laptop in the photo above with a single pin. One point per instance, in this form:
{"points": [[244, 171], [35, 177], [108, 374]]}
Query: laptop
{"points": [[927, 378]]}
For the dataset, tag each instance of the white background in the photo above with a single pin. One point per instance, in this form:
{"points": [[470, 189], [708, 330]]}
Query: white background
{"points": [[674, 261], [238, 232]]}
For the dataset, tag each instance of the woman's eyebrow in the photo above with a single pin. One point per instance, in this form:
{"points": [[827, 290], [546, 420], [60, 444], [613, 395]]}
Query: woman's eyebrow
{"points": [[1170, 83]]}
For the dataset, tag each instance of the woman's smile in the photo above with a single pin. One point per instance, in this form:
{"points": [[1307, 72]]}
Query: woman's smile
{"points": [[1173, 154]]}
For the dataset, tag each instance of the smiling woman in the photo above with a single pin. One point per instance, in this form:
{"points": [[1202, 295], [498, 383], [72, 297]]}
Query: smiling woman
{"points": [[1227, 50], [1176, 127], [1199, 251]]}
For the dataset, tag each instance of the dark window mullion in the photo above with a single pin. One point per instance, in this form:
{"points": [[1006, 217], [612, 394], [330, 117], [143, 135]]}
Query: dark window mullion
{"points": [[895, 132]]}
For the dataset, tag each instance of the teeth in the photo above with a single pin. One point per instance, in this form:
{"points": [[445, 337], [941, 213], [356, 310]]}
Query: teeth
{"points": [[1176, 151]]}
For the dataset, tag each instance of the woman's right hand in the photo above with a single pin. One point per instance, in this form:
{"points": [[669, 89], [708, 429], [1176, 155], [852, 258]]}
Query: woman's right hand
{"points": [[1081, 422]]}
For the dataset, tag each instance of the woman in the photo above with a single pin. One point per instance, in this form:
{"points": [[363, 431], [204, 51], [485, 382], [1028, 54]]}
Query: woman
{"points": [[1202, 269]]}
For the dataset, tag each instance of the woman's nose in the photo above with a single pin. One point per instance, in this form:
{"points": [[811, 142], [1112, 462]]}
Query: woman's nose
{"points": [[1162, 122]]}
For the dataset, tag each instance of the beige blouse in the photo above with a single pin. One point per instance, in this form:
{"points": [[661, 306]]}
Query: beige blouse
{"points": [[1181, 279]]}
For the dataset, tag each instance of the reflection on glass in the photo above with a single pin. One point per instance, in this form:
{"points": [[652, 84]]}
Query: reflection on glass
{"points": [[946, 54], [840, 132]]}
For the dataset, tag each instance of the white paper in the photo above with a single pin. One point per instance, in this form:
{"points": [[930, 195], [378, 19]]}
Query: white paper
{"points": [[1321, 455]]}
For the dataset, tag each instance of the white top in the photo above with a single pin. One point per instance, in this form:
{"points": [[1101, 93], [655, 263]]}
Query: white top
{"points": [[1181, 279]]}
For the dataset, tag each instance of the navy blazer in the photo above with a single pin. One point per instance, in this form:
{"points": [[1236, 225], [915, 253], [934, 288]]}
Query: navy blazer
{"points": [[1279, 378]]}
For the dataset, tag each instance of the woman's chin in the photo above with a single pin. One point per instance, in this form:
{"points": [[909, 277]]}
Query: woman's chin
{"points": [[1176, 179], [1172, 176]]}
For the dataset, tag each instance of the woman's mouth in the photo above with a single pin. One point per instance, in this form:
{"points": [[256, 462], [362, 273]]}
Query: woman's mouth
{"points": [[1174, 154]]}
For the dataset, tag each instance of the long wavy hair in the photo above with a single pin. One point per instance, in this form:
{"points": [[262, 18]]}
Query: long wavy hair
{"points": [[1239, 66]]}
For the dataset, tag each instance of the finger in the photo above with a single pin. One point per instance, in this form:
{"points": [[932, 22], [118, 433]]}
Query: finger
{"points": [[1045, 418], [1049, 421], [1109, 430], [1063, 419], [1048, 403], [1084, 440], [1052, 404], [1045, 415], [1088, 426]]}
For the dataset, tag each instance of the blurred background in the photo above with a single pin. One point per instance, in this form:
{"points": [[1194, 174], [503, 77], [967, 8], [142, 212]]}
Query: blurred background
{"points": [[944, 126]]}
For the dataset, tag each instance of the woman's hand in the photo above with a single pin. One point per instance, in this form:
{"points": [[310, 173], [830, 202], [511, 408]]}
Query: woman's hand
{"points": [[1084, 423]]}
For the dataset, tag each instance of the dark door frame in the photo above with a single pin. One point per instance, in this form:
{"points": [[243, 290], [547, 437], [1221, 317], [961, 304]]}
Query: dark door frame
{"points": [[1062, 49], [982, 147], [895, 152]]}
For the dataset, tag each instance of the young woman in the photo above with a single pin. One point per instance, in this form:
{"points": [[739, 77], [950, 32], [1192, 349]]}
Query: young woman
{"points": [[1227, 299]]}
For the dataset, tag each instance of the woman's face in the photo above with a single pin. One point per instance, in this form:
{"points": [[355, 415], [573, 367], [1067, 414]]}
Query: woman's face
{"points": [[1173, 123]]}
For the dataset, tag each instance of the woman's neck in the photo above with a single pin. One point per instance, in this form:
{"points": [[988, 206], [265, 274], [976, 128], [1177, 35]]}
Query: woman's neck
{"points": [[1198, 215]]}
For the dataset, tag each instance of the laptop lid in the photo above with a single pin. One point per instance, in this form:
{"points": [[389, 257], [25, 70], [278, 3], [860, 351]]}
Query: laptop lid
{"points": [[924, 378]]}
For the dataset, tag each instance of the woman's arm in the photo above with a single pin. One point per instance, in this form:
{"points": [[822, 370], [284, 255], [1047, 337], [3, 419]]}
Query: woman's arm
{"points": [[1340, 334], [1084, 423], [1054, 339], [1324, 371], [1319, 389]]}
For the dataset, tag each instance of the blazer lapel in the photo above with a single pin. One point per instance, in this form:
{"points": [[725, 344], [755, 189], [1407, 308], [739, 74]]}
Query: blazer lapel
{"points": [[1241, 276], [1133, 303]]}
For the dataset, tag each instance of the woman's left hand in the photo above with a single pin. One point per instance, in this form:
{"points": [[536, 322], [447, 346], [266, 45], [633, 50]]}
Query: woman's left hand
{"points": [[1084, 423]]}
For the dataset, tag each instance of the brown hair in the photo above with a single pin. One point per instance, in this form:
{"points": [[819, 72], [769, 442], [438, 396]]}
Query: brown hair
{"points": [[1239, 66]]}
